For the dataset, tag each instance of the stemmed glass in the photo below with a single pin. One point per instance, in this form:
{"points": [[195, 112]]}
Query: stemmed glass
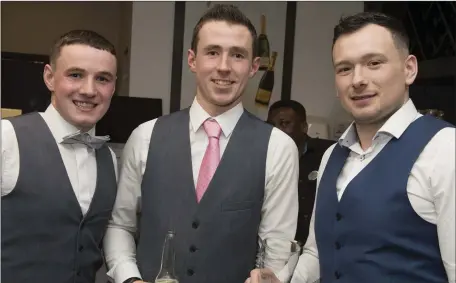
{"points": [[275, 254]]}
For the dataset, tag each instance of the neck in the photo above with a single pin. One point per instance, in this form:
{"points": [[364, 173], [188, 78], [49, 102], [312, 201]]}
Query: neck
{"points": [[215, 110], [366, 133]]}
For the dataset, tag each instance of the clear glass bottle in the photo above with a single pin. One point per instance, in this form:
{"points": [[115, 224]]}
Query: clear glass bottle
{"points": [[166, 273]]}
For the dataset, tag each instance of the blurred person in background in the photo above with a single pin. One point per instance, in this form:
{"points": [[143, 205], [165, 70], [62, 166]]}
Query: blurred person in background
{"points": [[290, 117]]}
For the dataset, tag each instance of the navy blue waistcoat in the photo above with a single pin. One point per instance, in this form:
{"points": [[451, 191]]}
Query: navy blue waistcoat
{"points": [[373, 234]]}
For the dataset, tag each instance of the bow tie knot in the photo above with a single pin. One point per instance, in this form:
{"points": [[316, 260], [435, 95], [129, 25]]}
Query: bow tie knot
{"points": [[94, 142]]}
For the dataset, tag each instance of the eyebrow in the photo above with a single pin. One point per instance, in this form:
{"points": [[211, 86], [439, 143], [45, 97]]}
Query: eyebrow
{"points": [[366, 56], [237, 49], [103, 73], [211, 47], [75, 69]]}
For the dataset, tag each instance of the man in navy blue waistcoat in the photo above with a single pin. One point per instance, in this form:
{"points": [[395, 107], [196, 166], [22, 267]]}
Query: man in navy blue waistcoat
{"points": [[385, 206]]}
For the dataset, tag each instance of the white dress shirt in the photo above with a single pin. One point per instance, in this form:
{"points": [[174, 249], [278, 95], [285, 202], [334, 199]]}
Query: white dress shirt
{"points": [[79, 160], [280, 207], [430, 187]]}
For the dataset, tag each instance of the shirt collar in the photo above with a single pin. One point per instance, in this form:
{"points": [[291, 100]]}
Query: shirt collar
{"points": [[59, 126], [226, 120], [394, 126]]}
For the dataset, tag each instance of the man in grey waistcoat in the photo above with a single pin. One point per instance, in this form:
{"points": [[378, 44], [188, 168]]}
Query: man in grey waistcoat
{"points": [[213, 173], [58, 179]]}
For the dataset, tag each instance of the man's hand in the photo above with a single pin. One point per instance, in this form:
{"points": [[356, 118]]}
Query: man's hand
{"points": [[256, 274]]}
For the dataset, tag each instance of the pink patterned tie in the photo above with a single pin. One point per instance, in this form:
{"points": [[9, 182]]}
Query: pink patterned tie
{"points": [[211, 157]]}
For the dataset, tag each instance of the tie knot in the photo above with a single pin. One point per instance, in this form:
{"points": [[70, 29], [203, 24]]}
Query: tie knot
{"points": [[85, 138], [212, 129]]}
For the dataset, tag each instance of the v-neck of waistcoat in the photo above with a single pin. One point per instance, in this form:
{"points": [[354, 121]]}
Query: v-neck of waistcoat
{"points": [[61, 169], [221, 168]]}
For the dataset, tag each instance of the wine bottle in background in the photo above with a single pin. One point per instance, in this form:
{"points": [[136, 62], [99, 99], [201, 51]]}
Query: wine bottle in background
{"points": [[166, 273], [263, 45], [266, 85]]}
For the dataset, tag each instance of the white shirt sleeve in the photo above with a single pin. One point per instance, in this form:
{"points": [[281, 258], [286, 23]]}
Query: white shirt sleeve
{"points": [[308, 268], [119, 241], [443, 191], [10, 158], [280, 207]]}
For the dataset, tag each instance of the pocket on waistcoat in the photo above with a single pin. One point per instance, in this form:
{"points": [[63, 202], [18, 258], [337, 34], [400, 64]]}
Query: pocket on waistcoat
{"points": [[238, 206]]}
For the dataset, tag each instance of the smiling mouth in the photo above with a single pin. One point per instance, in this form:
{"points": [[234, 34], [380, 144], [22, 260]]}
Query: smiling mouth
{"points": [[84, 105], [362, 97], [223, 82]]}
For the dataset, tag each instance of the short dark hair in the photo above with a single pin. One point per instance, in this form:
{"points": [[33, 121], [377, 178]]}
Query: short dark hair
{"points": [[297, 107], [84, 37], [227, 13], [353, 23]]}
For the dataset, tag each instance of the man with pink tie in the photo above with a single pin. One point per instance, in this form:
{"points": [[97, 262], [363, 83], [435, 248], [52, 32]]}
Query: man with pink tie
{"points": [[215, 174]]}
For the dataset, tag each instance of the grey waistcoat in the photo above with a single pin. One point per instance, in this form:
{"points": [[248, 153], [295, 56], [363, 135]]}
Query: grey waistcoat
{"points": [[45, 237], [216, 240]]}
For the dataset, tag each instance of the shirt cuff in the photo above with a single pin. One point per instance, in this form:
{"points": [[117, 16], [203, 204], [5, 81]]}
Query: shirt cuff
{"points": [[124, 271]]}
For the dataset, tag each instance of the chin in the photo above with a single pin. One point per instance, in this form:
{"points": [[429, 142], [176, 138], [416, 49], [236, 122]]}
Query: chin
{"points": [[85, 123], [366, 118], [224, 101]]}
